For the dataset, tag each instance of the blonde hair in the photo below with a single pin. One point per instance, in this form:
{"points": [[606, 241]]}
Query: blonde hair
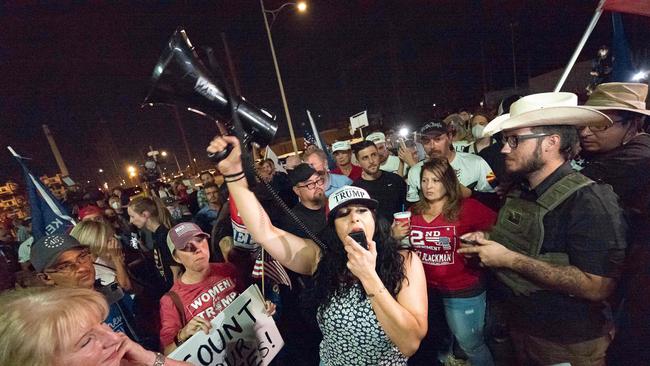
{"points": [[39, 324], [95, 235], [155, 207]]}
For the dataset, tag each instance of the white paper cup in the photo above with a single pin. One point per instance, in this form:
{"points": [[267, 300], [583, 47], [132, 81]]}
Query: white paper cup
{"points": [[403, 217]]}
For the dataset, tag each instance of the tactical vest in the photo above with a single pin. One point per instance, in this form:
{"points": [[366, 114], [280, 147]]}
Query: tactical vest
{"points": [[520, 227]]}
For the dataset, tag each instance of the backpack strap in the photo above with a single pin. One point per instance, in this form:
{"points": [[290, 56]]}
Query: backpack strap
{"points": [[179, 306]]}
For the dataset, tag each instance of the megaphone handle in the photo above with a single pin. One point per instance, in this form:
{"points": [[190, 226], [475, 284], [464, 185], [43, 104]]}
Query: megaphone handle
{"points": [[218, 156]]}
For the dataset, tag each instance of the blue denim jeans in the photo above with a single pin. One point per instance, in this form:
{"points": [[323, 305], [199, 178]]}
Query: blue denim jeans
{"points": [[466, 320]]}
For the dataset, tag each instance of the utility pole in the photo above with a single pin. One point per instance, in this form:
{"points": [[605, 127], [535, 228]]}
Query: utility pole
{"points": [[55, 150], [231, 65], [187, 146], [514, 60]]}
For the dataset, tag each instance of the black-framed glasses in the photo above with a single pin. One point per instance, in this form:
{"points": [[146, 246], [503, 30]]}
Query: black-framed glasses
{"points": [[84, 257], [513, 140], [312, 185]]}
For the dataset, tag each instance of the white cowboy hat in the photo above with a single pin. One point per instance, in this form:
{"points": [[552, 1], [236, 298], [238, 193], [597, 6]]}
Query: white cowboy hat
{"points": [[556, 108], [620, 97]]}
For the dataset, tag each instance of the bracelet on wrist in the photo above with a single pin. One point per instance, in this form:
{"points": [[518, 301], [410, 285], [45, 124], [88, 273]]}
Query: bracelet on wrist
{"points": [[177, 339], [233, 175], [160, 359], [371, 295], [235, 179]]}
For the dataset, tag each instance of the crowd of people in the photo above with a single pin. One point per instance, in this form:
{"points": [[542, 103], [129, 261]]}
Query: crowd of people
{"points": [[527, 227]]}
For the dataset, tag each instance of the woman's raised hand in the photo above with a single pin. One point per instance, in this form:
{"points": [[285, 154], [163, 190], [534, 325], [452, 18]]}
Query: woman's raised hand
{"points": [[115, 250], [231, 164]]}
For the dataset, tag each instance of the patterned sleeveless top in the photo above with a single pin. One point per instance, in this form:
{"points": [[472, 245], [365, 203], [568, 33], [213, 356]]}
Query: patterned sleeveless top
{"points": [[352, 334]]}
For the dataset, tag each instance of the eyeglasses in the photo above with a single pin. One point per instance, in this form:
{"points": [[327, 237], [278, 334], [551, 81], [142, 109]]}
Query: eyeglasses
{"points": [[312, 185], [513, 140], [83, 258], [597, 128]]}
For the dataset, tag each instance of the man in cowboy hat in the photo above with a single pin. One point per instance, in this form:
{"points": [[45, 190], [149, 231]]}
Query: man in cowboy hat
{"points": [[559, 239], [620, 156]]}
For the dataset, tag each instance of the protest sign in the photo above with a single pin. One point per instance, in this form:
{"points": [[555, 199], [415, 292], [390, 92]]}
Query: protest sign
{"points": [[242, 334], [359, 120]]}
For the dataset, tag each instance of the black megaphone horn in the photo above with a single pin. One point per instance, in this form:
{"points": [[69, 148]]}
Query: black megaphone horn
{"points": [[181, 78]]}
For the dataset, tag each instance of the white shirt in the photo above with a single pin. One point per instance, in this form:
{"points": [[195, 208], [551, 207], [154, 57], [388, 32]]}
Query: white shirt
{"points": [[25, 250], [461, 145], [391, 164], [470, 169]]}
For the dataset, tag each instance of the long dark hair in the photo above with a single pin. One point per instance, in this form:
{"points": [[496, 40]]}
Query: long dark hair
{"points": [[333, 277], [442, 170]]}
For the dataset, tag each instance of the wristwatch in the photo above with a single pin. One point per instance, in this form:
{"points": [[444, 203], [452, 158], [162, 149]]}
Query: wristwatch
{"points": [[160, 359]]}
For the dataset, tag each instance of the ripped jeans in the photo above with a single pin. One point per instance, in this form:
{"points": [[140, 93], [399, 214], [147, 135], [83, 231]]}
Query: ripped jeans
{"points": [[466, 320]]}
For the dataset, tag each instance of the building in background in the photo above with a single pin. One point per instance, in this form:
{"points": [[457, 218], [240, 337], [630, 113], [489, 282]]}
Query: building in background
{"points": [[12, 202], [56, 185]]}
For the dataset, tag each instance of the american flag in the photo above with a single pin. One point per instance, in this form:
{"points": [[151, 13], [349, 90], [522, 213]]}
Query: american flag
{"points": [[309, 132], [309, 136], [270, 268]]}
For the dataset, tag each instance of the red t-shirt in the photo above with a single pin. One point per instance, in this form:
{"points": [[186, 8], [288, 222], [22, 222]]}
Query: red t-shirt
{"points": [[355, 173], [437, 242], [205, 299]]}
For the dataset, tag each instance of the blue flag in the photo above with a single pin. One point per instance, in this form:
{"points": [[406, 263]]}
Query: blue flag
{"points": [[623, 70], [48, 215], [312, 136]]}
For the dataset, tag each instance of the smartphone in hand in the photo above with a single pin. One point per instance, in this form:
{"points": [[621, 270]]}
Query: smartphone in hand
{"points": [[468, 241], [402, 144], [360, 237]]}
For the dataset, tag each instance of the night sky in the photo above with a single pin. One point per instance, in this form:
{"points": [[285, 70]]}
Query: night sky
{"points": [[84, 68]]}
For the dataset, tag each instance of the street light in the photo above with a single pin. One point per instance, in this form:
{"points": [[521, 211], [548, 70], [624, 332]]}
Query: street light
{"points": [[301, 6], [132, 171], [164, 154]]}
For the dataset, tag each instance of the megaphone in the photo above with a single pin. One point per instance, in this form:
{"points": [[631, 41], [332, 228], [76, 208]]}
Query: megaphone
{"points": [[181, 78]]}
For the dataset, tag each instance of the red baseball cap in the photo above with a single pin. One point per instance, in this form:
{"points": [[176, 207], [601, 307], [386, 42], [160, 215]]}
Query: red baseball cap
{"points": [[181, 234], [89, 210]]}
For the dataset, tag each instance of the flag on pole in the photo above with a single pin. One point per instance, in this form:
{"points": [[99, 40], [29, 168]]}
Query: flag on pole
{"points": [[48, 215], [622, 69], [318, 141], [639, 7], [317, 138], [270, 268], [309, 138]]}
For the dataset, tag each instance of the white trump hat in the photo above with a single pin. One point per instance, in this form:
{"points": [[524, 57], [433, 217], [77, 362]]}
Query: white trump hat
{"points": [[347, 195]]}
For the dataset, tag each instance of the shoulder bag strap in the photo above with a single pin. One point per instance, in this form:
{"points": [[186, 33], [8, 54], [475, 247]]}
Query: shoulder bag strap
{"points": [[179, 306]]}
